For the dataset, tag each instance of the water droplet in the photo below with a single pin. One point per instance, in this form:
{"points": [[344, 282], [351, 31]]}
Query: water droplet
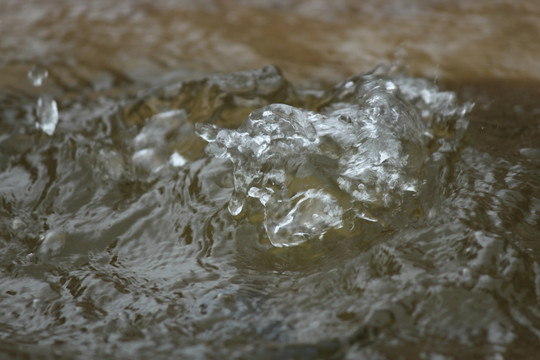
{"points": [[390, 86], [236, 204], [37, 74], [177, 160], [47, 114]]}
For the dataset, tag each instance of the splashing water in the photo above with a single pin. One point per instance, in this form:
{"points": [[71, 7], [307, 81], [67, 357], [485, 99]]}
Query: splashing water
{"points": [[359, 158], [46, 107]]}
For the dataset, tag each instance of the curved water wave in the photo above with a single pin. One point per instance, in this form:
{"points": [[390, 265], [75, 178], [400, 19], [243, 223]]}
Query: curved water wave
{"points": [[361, 156]]}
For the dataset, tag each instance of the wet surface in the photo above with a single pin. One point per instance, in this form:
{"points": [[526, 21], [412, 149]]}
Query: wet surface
{"points": [[404, 222]]}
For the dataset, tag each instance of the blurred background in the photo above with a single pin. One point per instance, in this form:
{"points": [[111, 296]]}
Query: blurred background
{"points": [[312, 41]]}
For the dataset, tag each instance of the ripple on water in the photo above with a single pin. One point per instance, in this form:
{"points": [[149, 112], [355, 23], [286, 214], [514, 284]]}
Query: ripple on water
{"points": [[351, 222]]}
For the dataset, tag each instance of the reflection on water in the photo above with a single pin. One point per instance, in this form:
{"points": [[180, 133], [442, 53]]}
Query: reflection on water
{"points": [[414, 216]]}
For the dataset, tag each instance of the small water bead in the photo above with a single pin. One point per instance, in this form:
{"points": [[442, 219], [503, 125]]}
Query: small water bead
{"points": [[47, 114], [37, 74], [46, 107], [177, 160]]}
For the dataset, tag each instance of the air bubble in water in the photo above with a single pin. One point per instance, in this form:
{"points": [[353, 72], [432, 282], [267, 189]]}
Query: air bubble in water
{"points": [[47, 114], [37, 74]]}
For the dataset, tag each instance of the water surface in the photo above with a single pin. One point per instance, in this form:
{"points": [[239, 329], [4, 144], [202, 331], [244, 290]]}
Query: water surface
{"points": [[165, 192]]}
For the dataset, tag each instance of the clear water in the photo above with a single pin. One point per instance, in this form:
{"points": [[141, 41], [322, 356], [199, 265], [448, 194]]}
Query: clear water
{"points": [[360, 159], [208, 215]]}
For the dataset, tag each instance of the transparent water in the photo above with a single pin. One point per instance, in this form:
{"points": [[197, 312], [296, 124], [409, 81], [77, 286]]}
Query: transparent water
{"points": [[172, 209]]}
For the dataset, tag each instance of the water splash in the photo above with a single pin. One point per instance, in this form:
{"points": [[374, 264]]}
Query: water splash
{"points": [[46, 108], [362, 154]]}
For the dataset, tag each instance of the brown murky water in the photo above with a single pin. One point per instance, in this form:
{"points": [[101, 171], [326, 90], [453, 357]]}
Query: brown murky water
{"points": [[375, 216]]}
